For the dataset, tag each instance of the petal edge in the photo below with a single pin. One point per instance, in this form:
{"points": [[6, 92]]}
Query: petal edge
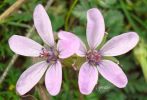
{"points": [[88, 76], [95, 27], [53, 78], [30, 77], [68, 44], [113, 73], [24, 46], [43, 25], [120, 44]]}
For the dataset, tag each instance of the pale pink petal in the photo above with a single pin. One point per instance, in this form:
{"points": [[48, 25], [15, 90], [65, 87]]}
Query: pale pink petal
{"points": [[43, 25], [120, 44], [30, 77], [68, 44], [53, 78], [24, 46], [82, 49], [95, 27], [64, 35], [88, 76], [113, 73]]}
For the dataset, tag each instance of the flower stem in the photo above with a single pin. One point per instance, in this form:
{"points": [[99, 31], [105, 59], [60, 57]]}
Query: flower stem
{"points": [[11, 9], [42, 92], [69, 13]]}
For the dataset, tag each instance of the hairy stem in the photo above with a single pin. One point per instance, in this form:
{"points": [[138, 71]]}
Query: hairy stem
{"points": [[42, 92], [11, 9], [8, 68]]}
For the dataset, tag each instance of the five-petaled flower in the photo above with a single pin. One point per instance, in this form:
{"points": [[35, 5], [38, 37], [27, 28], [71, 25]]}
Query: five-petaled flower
{"points": [[50, 56], [88, 74]]}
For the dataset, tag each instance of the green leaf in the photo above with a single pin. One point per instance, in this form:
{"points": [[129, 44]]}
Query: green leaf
{"points": [[114, 21], [140, 53]]}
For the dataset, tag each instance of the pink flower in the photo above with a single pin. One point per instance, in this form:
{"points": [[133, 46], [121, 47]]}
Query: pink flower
{"points": [[50, 56], [88, 74]]}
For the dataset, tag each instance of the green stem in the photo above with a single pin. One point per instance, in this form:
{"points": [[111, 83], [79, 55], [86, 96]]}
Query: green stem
{"points": [[139, 21], [128, 16], [69, 13], [18, 24]]}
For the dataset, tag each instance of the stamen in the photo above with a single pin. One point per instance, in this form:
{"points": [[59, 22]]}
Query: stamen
{"points": [[93, 57], [44, 53], [50, 55]]}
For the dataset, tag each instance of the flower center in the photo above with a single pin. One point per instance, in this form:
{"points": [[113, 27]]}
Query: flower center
{"points": [[51, 55], [93, 57]]}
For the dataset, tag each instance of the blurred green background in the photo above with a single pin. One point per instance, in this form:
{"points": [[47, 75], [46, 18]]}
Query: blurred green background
{"points": [[120, 16]]}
